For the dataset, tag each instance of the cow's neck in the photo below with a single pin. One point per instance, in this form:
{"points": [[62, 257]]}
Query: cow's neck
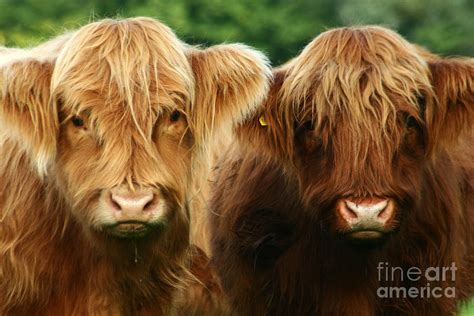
{"points": [[125, 275]]}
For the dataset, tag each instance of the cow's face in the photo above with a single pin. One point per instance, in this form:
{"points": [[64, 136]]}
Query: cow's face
{"points": [[362, 107], [118, 119], [126, 169]]}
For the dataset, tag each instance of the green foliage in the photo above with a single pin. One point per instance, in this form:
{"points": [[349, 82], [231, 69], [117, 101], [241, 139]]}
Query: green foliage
{"points": [[442, 26], [467, 310], [280, 28]]}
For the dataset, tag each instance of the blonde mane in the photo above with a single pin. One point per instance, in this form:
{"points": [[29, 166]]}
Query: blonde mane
{"points": [[123, 79]]}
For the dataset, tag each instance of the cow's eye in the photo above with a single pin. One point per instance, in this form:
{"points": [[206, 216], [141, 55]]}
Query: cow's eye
{"points": [[77, 121], [175, 115], [308, 125], [411, 122]]}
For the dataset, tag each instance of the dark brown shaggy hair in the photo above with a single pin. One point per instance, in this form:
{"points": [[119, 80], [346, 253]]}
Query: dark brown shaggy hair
{"points": [[360, 113], [118, 103]]}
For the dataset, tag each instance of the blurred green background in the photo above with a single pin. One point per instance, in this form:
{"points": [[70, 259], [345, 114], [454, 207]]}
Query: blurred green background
{"points": [[468, 310], [280, 28]]}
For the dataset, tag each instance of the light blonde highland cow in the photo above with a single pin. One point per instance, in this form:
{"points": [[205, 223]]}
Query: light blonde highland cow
{"points": [[100, 132]]}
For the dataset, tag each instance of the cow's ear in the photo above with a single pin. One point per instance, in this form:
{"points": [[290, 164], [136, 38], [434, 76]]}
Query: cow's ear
{"points": [[271, 126], [452, 113], [26, 114], [231, 81]]}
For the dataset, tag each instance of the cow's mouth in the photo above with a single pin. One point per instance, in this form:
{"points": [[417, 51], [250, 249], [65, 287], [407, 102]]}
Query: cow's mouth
{"points": [[367, 237], [366, 234], [129, 229]]}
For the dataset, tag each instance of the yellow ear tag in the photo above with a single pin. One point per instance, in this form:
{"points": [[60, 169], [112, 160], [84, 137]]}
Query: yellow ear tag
{"points": [[262, 121]]}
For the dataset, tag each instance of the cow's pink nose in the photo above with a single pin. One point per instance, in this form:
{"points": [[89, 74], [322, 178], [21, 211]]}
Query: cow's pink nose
{"points": [[366, 213], [132, 206]]}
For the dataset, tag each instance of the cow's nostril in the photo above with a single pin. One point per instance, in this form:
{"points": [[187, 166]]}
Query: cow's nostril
{"points": [[386, 213], [148, 206], [381, 214], [113, 203], [349, 212]]}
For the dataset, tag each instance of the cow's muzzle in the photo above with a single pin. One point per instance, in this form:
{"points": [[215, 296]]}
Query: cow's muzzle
{"points": [[366, 218], [132, 212]]}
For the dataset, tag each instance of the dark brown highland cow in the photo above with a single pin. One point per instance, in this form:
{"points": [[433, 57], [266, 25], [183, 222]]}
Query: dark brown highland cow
{"points": [[100, 132], [358, 168]]}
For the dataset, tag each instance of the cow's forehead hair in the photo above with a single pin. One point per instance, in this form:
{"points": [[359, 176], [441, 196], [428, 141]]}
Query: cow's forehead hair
{"points": [[362, 75], [134, 66]]}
